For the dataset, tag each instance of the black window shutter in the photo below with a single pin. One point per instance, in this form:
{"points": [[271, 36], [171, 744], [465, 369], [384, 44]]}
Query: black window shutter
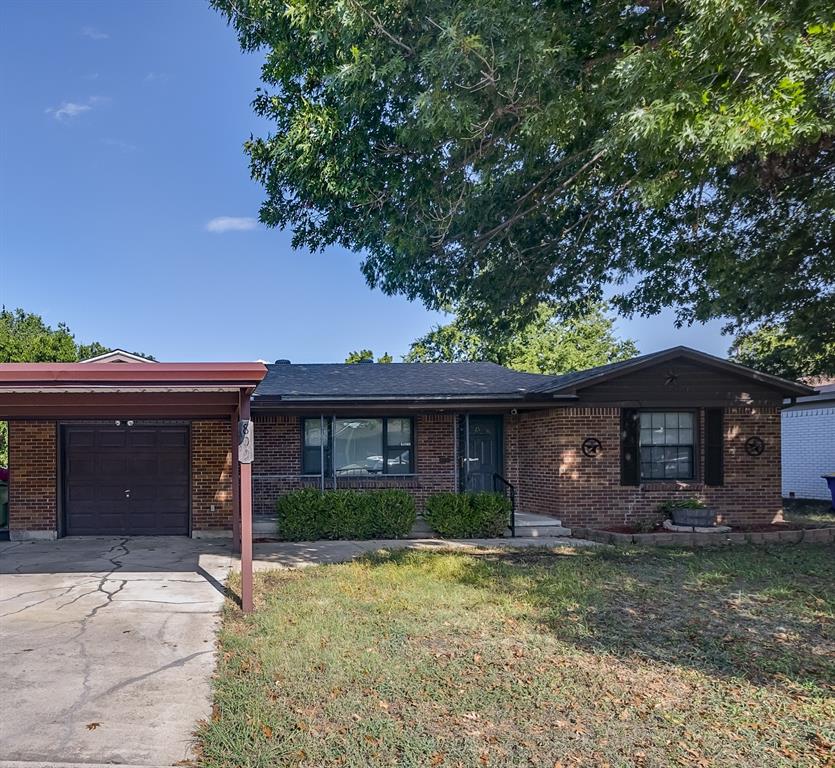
{"points": [[630, 460], [714, 447]]}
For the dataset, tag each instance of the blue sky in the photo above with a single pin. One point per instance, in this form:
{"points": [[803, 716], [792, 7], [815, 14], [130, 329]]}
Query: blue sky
{"points": [[127, 211]]}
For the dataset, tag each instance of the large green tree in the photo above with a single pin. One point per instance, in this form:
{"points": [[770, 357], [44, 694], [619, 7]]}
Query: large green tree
{"points": [[544, 345], [771, 349], [494, 153], [26, 338]]}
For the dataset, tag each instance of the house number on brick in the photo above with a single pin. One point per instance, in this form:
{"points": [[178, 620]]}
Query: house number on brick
{"points": [[591, 447], [754, 445]]}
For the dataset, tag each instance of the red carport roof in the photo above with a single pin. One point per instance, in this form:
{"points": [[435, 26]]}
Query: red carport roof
{"points": [[126, 374]]}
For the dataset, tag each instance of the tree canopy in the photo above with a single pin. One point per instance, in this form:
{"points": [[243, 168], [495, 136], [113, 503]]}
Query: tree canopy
{"points": [[492, 154], [771, 349], [361, 355], [26, 338], [545, 345]]}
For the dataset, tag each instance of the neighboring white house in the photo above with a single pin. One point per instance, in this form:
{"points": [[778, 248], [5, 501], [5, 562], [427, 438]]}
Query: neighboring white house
{"points": [[809, 444]]}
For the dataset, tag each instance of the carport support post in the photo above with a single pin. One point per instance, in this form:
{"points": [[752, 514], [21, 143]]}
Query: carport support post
{"points": [[246, 518]]}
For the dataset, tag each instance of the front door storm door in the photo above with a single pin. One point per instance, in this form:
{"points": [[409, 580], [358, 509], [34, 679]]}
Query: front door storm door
{"points": [[481, 443]]}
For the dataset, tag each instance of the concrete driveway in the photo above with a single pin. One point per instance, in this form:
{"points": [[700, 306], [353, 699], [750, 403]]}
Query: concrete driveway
{"points": [[107, 647]]}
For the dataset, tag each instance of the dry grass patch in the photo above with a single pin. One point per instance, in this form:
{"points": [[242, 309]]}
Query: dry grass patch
{"points": [[594, 657]]}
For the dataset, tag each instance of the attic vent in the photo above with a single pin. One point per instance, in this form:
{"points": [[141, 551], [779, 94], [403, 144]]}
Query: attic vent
{"points": [[282, 361]]}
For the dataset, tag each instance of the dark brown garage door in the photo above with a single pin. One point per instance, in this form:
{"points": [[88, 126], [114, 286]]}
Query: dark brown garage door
{"points": [[126, 481]]}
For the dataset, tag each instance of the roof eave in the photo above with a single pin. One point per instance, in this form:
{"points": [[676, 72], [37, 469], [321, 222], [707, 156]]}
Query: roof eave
{"points": [[784, 386]]}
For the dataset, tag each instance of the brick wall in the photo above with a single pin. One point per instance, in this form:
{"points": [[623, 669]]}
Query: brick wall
{"points": [[211, 475], [556, 478], [808, 450], [277, 467], [539, 462], [33, 499]]}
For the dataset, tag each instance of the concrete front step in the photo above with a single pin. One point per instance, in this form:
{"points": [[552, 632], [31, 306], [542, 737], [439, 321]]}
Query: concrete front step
{"points": [[540, 531]]}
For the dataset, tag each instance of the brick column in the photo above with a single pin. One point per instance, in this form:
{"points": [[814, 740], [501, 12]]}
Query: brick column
{"points": [[33, 480], [211, 477]]}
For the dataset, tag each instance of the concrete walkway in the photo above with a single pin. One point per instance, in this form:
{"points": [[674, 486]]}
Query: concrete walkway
{"points": [[285, 555], [107, 648]]}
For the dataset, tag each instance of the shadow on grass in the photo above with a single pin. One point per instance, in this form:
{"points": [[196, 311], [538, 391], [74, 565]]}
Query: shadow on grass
{"points": [[766, 615]]}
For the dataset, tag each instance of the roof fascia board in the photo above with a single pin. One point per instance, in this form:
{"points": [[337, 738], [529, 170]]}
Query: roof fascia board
{"points": [[775, 382]]}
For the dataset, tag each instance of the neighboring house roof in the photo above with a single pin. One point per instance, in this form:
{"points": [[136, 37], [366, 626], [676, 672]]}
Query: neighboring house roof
{"points": [[825, 393], [118, 356], [287, 382]]}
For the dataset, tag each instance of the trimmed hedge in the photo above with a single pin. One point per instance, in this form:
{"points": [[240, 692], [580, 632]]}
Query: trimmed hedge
{"points": [[309, 514], [468, 515]]}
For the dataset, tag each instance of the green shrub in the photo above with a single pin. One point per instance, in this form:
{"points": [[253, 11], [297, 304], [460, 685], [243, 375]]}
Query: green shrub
{"points": [[309, 514], [301, 515], [468, 515], [349, 515], [394, 513]]}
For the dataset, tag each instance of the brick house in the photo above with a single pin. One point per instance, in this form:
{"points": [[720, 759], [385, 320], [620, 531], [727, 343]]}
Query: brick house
{"points": [[599, 447], [128, 447]]}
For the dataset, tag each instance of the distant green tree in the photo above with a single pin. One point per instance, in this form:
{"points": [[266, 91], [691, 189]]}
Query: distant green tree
{"points": [[545, 345], [772, 349], [361, 355], [26, 338]]}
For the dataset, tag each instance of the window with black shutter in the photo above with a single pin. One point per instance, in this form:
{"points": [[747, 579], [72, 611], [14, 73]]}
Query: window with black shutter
{"points": [[714, 449], [630, 464]]}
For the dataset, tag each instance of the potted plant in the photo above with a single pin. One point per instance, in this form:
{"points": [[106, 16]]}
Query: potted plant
{"points": [[691, 512]]}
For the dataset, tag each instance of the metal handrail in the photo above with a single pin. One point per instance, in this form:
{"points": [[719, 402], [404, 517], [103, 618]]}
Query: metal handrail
{"points": [[510, 492]]}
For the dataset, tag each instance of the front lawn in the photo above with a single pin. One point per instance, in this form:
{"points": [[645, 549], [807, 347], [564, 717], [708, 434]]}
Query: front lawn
{"points": [[808, 512], [594, 657]]}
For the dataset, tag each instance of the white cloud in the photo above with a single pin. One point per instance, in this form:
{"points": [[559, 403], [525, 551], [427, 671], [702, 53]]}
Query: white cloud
{"points": [[156, 77], [94, 34], [231, 224], [70, 109]]}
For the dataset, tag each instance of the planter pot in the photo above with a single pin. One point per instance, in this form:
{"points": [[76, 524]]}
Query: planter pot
{"points": [[699, 518]]}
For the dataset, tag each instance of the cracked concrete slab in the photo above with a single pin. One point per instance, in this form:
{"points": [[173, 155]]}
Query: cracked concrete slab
{"points": [[107, 647]]}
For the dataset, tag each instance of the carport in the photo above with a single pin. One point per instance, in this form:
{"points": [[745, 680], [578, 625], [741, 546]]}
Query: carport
{"points": [[125, 449]]}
